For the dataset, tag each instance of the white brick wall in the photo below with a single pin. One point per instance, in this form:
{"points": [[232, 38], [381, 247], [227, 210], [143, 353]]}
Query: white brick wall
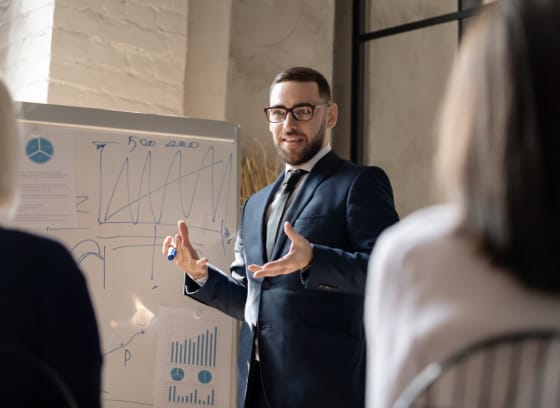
{"points": [[25, 45], [132, 54], [121, 55]]}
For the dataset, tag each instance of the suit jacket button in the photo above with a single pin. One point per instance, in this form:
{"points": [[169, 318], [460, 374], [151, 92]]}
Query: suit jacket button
{"points": [[266, 284]]}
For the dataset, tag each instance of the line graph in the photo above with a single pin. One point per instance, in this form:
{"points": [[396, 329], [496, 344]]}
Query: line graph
{"points": [[121, 199]]}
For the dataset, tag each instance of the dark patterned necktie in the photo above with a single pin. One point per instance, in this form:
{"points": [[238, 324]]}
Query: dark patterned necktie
{"points": [[279, 208]]}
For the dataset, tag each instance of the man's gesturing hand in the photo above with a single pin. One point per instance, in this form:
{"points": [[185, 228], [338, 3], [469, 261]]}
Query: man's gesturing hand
{"points": [[298, 257], [186, 258]]}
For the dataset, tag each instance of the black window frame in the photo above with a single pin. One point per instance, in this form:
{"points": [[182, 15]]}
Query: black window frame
{"points": [[360, 37]]}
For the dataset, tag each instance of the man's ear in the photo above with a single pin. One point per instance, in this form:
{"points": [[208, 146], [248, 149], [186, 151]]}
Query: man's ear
{"points": [[332, 115]]}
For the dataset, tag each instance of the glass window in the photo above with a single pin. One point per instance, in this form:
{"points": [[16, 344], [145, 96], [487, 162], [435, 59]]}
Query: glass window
{"points": [[405, 77], [385, 14], [474, 3]]}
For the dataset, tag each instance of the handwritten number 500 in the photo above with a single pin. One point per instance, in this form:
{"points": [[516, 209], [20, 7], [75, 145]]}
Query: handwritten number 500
{"points": [[133, 141]]}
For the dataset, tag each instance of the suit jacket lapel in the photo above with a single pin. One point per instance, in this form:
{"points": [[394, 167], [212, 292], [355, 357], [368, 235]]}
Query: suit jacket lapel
{"points": [[325, 168], [259, 216]]}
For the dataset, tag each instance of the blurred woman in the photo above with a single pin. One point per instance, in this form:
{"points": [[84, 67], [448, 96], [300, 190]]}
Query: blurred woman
{"points": [[485, 262]]}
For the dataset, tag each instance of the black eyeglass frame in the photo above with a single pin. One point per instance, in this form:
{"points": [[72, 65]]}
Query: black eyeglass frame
{"points": [[291, 110]]}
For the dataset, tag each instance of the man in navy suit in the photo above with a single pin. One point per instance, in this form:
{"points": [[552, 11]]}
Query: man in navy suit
{"points": [[302, 341]]}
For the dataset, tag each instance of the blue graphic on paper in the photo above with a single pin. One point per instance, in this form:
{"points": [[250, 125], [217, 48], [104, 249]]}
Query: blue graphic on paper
{"points": [[177, 373], [204, 376], [39, 150]]}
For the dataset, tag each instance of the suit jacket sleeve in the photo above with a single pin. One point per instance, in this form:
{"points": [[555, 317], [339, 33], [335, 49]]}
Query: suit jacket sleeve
{"points": [[224, 291], [369, 210]]}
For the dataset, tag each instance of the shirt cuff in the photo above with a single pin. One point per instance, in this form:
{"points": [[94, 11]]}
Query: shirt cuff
{"points": [[199, 281]]}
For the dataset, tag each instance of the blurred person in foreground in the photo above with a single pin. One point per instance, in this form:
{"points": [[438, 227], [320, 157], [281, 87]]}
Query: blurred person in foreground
{"points": [[486, 262], [50, 353]]}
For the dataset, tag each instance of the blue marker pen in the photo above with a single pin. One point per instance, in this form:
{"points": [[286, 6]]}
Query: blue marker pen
{"points": [[171, 253]]}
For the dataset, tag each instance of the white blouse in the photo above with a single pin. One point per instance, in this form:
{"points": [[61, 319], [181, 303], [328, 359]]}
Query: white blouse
{"points": [[430, 293]]}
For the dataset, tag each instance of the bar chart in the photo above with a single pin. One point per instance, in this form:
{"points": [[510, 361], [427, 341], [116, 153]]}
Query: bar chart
{"points": [[199, 351], [193, 397], [195, 351]]}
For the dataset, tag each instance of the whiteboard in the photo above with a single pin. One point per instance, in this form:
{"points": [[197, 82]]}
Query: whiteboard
{"points": [[110, 186]]}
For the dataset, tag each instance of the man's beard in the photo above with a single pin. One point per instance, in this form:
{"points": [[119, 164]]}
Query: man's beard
{"points": [[311, 150]]}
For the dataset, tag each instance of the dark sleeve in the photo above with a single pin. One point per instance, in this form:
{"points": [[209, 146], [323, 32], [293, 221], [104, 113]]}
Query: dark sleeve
{"points": [[68, 328], [224, 291], [370, 209]]}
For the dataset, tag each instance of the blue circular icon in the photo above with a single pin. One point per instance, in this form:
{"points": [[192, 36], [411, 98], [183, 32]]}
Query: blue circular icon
{"points": [[204, 376], [39, 150], [177, 373]]}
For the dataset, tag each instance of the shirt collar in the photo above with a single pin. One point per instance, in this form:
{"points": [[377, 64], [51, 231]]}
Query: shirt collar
{"points": [[308, 165]]}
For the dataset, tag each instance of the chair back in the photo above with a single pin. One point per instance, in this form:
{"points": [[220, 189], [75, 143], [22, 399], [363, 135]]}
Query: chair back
{"points": [[520, 369]]}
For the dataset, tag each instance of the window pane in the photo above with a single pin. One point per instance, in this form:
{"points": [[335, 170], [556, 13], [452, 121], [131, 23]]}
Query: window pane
{"points": [[473, 3], [388, 13], [465, 4], [405, 75]]}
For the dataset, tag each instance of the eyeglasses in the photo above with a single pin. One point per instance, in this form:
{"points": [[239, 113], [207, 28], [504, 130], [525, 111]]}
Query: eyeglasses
{"points": [[303, 112]]}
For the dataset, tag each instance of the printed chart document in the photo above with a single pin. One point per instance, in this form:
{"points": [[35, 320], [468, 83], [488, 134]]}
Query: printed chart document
{"points": [[193, 358], [47, 178]]}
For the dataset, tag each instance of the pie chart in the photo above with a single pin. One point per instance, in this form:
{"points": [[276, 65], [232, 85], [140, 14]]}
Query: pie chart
{"points": [[177, 373], [39, 150], [204, 376]]}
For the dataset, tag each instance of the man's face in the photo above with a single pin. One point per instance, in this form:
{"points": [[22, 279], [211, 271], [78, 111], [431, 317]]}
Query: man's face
{"points": [[298, 141]]}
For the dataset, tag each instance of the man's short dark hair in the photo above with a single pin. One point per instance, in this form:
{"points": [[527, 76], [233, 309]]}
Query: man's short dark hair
{"points": [[305, 74]]}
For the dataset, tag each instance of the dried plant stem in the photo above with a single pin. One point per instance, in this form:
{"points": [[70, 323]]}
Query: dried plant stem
{"points": [[257, 171]]}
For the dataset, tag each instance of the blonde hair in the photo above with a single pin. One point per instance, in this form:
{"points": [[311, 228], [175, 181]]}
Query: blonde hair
{"points": [[9, 153]]}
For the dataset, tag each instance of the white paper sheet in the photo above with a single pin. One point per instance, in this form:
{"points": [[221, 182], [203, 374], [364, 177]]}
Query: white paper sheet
{"points": [[47, 178], [193, 358]]}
